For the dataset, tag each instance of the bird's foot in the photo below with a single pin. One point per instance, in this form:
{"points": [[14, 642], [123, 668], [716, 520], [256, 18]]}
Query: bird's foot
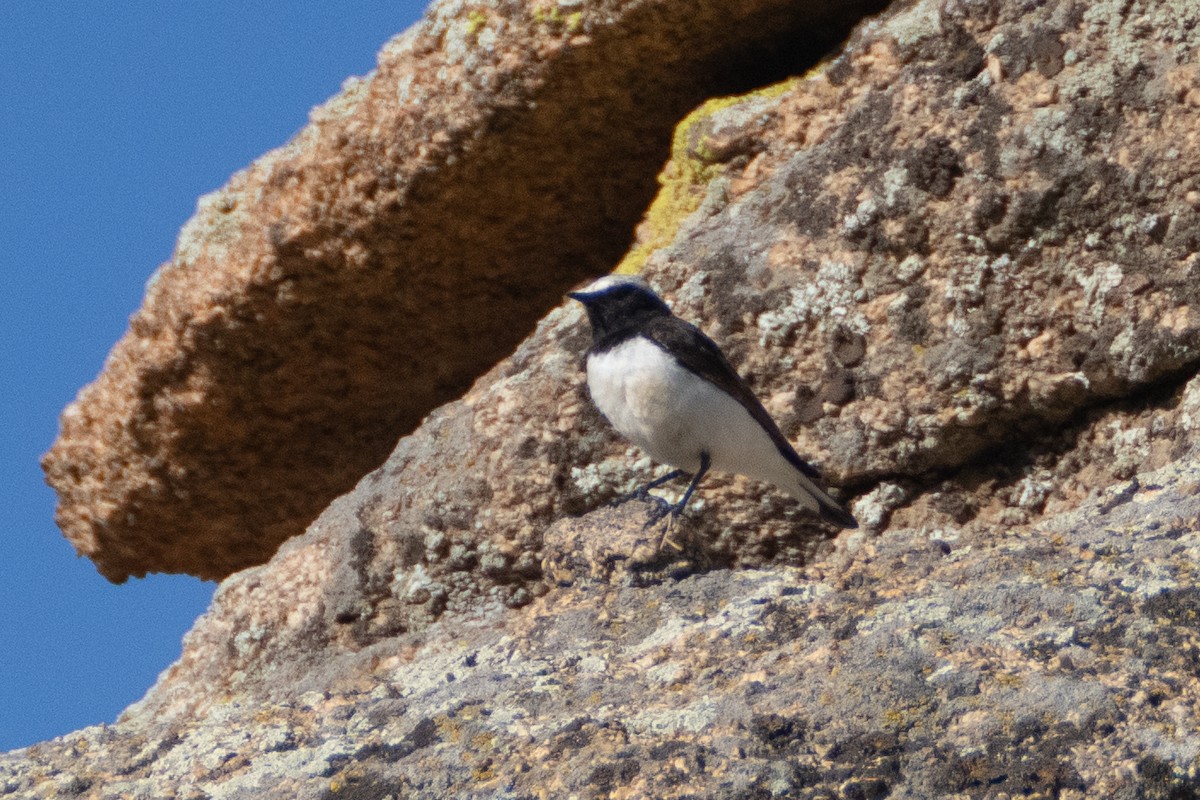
{"points": [[659, 508], [642, 494], [668, 535], [670, 511]]}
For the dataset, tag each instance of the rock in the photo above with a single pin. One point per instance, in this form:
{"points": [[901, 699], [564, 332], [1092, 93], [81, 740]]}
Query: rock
{"points": [[954, 411], [620, 546], [1056, 659], [958, 263], [342, 286]]}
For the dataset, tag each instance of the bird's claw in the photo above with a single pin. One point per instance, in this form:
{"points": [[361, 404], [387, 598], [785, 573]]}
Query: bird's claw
{"points": [[642, 494], [662, 509]]}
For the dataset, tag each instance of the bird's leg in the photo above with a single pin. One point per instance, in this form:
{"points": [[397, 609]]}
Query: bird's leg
{"points": [[705, 463], [657, 482], [644, 492], [675, 510]]}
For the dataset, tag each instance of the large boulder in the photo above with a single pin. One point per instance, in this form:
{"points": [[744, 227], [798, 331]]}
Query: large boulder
{"points": [[342, 286], [959, 264]]}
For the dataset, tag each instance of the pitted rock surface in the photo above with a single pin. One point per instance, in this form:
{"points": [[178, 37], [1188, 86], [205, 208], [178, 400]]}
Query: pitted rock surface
{"points": [[341, 287], [958, 263], [1052, 660]]}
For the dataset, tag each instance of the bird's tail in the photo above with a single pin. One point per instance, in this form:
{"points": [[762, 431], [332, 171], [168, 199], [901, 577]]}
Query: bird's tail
{"points": [[816, 498], [834, 513]]}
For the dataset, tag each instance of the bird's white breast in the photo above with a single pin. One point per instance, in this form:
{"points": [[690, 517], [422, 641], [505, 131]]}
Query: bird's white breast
{"points": [[636, 385], [674, 415]]}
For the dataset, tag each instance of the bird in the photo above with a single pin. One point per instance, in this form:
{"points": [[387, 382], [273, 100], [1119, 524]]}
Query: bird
{"points": [[666, 386]]}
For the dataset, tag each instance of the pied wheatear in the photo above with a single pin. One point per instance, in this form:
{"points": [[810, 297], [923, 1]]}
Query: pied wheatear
{"points": [[667, 388]]}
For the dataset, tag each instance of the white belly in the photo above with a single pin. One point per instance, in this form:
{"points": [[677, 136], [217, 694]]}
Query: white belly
{"points": [[675, 416]]}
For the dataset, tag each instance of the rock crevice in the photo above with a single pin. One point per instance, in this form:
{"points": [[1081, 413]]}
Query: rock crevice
{"points": [[958, 264], [407, 239]]}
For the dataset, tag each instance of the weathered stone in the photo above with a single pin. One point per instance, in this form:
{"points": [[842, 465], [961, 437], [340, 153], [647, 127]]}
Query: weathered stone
{"points": [[986, 388], [410, 236], [955, 263], [1057, 659]]}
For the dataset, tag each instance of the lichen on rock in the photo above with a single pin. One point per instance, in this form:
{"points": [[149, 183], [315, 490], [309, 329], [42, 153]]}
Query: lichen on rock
{"points": [[958, 263]]}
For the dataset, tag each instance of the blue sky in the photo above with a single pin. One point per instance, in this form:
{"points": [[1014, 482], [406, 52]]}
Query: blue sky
{"points": [[114, 119]]}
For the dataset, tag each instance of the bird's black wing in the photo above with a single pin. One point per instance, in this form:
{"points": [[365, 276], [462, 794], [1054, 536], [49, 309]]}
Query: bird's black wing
{"points": [[688, 345]]}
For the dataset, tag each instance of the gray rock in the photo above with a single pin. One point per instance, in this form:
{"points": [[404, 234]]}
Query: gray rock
{"points": [[931, 257]]}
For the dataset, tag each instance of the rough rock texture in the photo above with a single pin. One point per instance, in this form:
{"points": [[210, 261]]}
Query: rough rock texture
{"points": [[921, 380], [959, 262], [1048, 660], [409, 237]]}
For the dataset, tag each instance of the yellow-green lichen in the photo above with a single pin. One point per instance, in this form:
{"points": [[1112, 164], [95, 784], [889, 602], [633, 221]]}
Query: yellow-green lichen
{"points": [[686, 178], [476, 20], [553, 16]]}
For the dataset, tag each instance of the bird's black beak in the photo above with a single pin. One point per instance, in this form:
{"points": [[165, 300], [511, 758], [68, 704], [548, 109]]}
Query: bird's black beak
{"points": [[576, 296]]}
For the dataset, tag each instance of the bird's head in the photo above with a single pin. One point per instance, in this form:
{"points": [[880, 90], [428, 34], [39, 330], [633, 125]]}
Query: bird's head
{"points": [[615, 302]]}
